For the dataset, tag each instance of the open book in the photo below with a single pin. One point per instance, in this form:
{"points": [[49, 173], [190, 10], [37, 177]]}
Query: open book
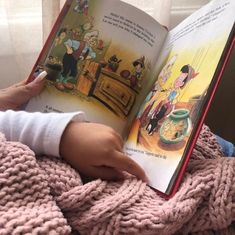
{"points": [[123, 69]]}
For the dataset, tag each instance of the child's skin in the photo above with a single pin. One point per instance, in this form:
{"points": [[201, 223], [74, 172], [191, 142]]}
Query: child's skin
{"points": [[93, 149]]}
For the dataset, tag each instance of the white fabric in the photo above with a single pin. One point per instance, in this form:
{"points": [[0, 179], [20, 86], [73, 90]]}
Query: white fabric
{"points": [[20, 40], [39, 131]]}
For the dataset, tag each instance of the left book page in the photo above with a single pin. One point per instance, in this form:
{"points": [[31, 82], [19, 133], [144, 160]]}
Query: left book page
{"points": [[99, 59]]}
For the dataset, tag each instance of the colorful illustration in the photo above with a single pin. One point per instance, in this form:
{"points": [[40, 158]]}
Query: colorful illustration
{"points": [[75, 51], [137, 74], [163, 77], [88, 64], [159, 112], [168, 113], [103, 57], [113, 63], [82, 7], [61, 36], [176, 127]]}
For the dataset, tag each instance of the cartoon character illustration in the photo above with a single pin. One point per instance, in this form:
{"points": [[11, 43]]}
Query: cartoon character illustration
{"points": [[113, 63], [187, 73], [165, 73], [75, 33], [88, 25], [163, 76], [61, 36], [160, 112], [100, 45], [75, 51], [82, 7], [136, 77], [143, 117]]}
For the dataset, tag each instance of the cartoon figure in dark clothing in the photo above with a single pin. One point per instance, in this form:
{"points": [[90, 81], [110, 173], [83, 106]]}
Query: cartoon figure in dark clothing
{"points": [[75, 51], [87, 25], [160, 112], [136, 77], [144, 116], [82, 7]]}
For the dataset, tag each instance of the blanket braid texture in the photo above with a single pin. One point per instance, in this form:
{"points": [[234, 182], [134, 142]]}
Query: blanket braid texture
{"points": [[44, 195]]}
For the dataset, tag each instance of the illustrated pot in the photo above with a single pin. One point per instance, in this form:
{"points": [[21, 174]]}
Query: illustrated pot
{"points": [[176, 127], [53, 71]]}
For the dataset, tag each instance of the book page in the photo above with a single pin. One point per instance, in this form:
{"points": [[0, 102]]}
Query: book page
{"points": [[99, 60], [160, 134]]}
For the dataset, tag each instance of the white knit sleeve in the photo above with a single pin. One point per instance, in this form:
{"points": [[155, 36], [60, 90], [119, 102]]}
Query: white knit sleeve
{"points": [[39, 131]]}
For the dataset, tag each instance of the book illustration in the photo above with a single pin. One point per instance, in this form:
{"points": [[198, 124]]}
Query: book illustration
{"points": [[82, 7], [159, 112], [124, 70], [166, 118], [175, 127], [84, 63], [113, 63], [76, 50], [137, 74], [164, 75], [153, 116]]}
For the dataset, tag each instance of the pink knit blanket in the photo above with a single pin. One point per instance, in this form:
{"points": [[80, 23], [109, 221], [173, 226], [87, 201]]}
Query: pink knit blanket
{"points": [[46, 196]]}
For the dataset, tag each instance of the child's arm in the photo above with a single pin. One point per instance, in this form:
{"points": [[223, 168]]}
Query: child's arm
{"points": [[97, 150], [94, 149], [39, 131]]}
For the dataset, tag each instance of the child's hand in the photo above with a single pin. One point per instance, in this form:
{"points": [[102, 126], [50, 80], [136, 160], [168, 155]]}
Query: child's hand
{"points": [[95, 150], [18, 94]]}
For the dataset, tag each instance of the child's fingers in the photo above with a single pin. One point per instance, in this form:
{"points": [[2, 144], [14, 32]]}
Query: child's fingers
{"points": [[123, 163], [119, 139]]}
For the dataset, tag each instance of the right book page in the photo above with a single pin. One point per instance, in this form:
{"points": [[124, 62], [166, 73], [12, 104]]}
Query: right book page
{"points": [[164, 128]]}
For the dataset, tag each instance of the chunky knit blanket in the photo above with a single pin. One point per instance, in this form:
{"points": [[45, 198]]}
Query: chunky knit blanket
{"points": [[46, 196]]}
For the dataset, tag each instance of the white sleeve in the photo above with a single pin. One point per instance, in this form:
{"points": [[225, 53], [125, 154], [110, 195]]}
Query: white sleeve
{"points": [[39, 131]]}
